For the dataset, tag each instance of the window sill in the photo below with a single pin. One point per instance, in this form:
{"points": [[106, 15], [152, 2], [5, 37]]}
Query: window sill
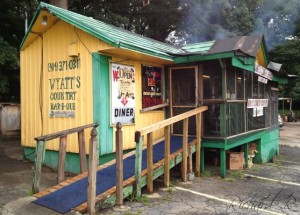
{"points": [[163, 105]]}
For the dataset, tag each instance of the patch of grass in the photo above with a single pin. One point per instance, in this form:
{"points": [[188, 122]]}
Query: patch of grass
{"points": [[170, 190], [208, 173], [30, 192], [174, 182], [141, 199], [167, 197], [237, 173], [223, 187], [255, 168], [229, 179], [133, 213]]}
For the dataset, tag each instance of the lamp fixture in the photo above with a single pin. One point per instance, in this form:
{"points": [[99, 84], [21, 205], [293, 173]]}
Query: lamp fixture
{"points": [[45, 20]]}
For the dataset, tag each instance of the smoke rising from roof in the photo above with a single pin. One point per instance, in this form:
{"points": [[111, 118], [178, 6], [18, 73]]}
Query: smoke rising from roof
{"points": [[209, 20]]}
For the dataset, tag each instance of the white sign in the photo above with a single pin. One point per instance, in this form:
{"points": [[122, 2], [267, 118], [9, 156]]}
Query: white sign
{"points": [[257, 103], [262, 80], [258, 112], [122, 94], [263, 72]]}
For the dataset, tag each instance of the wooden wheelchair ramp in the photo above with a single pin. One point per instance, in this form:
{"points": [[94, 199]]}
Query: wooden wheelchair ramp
{"points": [[139, 168], [71, 194]]}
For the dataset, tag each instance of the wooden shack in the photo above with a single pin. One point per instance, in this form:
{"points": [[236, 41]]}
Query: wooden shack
{"points": [[76, 70]]}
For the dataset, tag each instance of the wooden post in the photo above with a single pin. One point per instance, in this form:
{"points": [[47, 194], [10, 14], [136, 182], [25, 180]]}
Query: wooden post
{"points": [[184, 149], [61, 159], [93, 162], [198, 143], [119, 164], [167, 157], [82, 154], [190, 160], [223, 162], [246, 155], [138, 163], [202, 168], [150, 163], [38, 166]]}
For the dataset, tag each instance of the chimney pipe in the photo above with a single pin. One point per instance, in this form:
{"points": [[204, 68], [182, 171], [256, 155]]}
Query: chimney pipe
{"points": [[60, 3]]}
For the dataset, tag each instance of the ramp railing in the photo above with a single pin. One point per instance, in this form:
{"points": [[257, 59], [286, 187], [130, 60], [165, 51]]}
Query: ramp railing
{"points": [[62, 135], [166, 125]]}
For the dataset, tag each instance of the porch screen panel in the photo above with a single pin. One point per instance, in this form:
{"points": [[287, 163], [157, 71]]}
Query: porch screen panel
{"points": [[236, 118], [211, 121], [230, 82], [183, 87]]}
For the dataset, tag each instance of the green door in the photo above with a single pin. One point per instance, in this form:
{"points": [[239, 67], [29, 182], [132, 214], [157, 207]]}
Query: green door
{"points": [[101, 106]]}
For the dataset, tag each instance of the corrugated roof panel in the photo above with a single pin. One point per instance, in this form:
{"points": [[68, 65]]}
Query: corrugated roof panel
{"points": [[247, 45], [113, 35], [198, 47]]}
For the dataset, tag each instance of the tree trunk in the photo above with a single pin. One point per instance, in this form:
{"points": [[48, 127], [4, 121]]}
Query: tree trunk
{"points": [[60, 3]]}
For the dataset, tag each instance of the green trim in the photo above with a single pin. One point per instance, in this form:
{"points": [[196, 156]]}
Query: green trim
{"points": [[264, 52], [35, 16], [267, 146], [245, 63], [197, 58], [281, 80], [101, 102]]}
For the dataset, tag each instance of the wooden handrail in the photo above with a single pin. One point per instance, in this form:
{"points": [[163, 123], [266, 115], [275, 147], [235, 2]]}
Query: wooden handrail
{"points": [[65, 132], [167, 122], [166, 125], [62, 135], [155, 107]]}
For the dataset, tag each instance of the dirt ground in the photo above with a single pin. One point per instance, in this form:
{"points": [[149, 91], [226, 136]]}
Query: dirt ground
{"points": [[16, 172]]}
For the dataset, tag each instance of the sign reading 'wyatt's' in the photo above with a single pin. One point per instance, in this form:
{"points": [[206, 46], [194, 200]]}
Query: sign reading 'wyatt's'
{"points": [[63, 89], [122, 94]]}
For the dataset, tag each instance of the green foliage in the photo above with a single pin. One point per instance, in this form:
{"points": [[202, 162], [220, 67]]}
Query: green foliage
{"points": [[12, 15], [289, 55], [155, 20]]}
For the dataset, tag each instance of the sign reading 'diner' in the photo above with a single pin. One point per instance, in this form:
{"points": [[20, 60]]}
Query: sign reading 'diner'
{"points": [[122, 94]]}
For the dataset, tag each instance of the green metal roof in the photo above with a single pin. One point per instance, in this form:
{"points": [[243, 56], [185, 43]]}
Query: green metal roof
{"points": [[110, 34], [203, 47]]}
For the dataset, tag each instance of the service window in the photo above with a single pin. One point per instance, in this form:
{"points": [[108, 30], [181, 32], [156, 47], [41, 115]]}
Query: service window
{"points": [[151, 86]]}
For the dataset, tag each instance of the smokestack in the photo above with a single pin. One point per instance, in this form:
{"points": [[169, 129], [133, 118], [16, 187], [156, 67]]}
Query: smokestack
{"points": [[26, 22], [60, 3]]}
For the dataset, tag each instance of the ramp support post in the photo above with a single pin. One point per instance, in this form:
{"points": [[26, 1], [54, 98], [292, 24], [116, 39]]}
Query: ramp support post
{"points": [[119, 164], [93, 162], [138, 164]]}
